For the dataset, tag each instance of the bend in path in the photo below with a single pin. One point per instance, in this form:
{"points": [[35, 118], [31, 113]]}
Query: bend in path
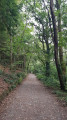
{"points": [[31, 101]]}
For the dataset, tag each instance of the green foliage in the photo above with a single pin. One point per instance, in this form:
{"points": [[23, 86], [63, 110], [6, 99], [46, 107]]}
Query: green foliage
{"points": [[21, 74], [50, 81], [61, 94], [8, 22], [20, 80], [30, 47], [10, 78], [14, 79], [8, 14]]}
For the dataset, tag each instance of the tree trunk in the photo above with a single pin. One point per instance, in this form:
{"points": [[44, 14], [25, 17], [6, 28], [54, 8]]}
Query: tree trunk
{"points": [[63, 67], [58, 65], [24, 62], [47, 58], [45, 37], [11, 54]]}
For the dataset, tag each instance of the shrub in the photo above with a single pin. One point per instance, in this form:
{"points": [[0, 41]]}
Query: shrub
{"points": [[21, 74], [14, 79]]}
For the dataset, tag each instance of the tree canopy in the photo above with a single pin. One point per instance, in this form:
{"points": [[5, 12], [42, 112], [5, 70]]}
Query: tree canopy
{"points": [[33, 37]]}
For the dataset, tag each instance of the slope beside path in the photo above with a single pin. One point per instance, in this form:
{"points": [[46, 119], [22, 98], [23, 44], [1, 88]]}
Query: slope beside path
{"points": [[32, 101]]}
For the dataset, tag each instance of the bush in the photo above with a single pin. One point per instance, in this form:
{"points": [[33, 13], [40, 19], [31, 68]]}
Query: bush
{"points": [[41, 77], [49, 81], [21, 74], [14, 79], [10, 78]]}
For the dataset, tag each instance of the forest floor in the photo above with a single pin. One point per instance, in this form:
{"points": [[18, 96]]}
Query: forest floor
{"points": [[32, 101], [3, 85]]}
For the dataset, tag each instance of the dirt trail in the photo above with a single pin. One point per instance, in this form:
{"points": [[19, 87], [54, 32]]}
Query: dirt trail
{"points": [[32, 101]]}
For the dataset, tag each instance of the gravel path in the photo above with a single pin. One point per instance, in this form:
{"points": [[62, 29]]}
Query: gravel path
{"points": [[32, 101]]}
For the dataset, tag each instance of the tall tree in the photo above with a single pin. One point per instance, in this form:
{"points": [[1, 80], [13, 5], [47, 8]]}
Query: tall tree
{"points": [[62, 78]]}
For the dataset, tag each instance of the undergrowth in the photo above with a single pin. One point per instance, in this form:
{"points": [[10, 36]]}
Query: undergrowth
{"points": [[12, 80], [51, 81]]}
